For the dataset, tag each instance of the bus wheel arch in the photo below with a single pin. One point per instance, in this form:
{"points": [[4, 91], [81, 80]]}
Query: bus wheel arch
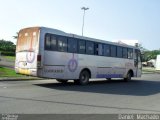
{"points": [[84, 76], [130, 74], [88, 70]]}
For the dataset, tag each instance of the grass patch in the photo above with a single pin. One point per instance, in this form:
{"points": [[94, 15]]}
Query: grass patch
{"points": [[148, 69], [10, 58], [8, 72]]}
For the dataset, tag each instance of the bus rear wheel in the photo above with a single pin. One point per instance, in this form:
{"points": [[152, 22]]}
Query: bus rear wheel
{"points": [[128, 77], [109, 79], [84, 77], [62, 81]]}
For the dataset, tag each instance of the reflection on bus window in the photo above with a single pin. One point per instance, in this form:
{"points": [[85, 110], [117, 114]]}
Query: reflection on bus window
{"points": [[62, 44], [72, 45], [82, 47]]}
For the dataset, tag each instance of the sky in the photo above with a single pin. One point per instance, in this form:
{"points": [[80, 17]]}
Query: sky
{"points": [[106, 19]]}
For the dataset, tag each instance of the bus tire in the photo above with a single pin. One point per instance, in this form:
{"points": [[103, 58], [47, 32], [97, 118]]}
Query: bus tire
{"points": [[109, 79], [84, 77], [62, 81], [128, 77], [76, 82]]}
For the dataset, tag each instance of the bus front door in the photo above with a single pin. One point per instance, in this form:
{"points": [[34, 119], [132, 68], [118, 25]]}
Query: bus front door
{"points": [[138, 63]]}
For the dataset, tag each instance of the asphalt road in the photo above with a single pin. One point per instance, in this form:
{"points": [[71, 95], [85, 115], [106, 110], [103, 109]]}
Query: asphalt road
{"points": [[48, 96]]}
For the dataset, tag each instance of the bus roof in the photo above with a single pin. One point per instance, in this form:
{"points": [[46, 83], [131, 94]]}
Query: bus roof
{"points": [[59, 32]]}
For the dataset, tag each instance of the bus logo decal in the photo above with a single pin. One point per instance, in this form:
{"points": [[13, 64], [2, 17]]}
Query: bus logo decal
{"points": [[30, 56], [72, 64]]}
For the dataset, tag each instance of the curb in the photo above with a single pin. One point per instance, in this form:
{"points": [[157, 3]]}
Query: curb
{"points": [[19, 79], [150, 72]]}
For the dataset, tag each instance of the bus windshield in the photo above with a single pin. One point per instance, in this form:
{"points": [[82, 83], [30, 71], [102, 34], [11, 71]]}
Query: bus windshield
{"points": [[27, 40]]}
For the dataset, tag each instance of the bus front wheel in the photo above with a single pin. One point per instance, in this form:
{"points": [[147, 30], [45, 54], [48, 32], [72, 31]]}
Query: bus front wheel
{"points": [[62, 81], [84, 77], [128, 77]]}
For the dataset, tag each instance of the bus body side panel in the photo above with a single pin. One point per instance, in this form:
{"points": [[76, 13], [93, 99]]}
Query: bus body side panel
{"points": [[68, 65], [62, 65], [49, 68], [105, 67]]}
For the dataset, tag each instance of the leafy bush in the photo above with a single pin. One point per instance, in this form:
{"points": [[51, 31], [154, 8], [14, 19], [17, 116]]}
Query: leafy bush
{"points": [[7, 46], [7, 53]]}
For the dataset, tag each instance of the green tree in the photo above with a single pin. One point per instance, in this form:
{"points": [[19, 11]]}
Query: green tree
{"points": [[7, 47], [148, 55], [16, 36]]}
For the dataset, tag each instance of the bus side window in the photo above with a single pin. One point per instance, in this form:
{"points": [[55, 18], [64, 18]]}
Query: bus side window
{"points": [[106, 50], [89, 47], [119, 52], [125, 53], [130, 53], [72, 45], [53, 44], [81, 47], [113, 51], [62, 44], [47, 42]]}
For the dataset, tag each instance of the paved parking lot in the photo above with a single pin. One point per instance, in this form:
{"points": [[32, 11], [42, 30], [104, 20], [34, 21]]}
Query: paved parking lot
{"points": [[141, 95]]}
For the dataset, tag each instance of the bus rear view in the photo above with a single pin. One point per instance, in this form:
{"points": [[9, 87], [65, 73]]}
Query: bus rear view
{"points": [[27, 50]]}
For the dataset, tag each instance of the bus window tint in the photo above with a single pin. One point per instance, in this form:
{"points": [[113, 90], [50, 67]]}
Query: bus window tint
{"points": [[130, 53], [106, 50], [47, 42], [113, 51], [81, 48], [53, 44], [89, 47], [72, 45], [119, 52], [125, 53], [62, 44]]}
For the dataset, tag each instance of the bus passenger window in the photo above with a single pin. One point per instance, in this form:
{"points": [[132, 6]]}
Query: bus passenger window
{"points": [[47, 42], [72, 45], [90, 48], [125, 53], [119, 52], [62, 44], [81, 46], [53, 43], [113, 51], [106, 50], [130, 53]]}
